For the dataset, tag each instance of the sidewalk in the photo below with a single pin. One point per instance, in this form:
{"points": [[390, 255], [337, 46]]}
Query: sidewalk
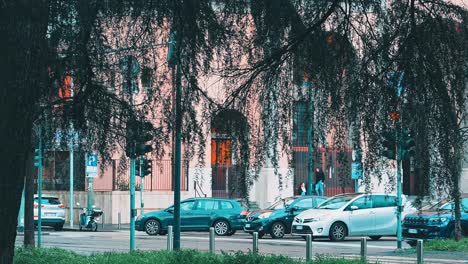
{"points": [[101, 227]]}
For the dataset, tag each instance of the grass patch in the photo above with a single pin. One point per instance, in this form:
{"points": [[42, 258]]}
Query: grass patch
{"points": [[446, 245], [60, 256]]}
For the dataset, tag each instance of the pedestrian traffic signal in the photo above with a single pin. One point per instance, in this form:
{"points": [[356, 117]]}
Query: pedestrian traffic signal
{"points": [[389, 145], [408, 145], [37, 158]]}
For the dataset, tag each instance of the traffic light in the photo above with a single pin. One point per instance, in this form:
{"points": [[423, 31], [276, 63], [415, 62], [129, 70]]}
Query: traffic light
{"points": [[408, 145], [37, 158], [143, 135], [146, 167], [389, 145]]}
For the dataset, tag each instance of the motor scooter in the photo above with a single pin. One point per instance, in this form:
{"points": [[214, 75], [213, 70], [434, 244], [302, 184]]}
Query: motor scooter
{"points": [[90, 220]]}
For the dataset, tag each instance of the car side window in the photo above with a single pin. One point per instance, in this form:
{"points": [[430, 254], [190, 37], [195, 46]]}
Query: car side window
{"points": [[379, 201], [304, 203], [464, 203], [187, 206], [226, 205], [207, 205], [362, 203], [319, 200]]}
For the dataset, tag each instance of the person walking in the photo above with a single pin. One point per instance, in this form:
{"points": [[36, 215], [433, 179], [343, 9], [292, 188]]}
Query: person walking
{"points": [[319, 182], [302, 189]]}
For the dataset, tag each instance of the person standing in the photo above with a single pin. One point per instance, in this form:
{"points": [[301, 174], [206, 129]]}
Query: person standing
{"points": [[319, 182], [302, 189]]}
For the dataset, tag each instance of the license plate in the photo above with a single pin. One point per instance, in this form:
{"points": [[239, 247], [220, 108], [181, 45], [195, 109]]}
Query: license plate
{"points": [[299, 227], [247, 225], [412, 231], [49, 214]]}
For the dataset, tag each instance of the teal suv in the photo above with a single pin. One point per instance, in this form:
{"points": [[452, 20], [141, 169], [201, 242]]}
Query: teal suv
{"points": [[196, 214], [277, 219]]}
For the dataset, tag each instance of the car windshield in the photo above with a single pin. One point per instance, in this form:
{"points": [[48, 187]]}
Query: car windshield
{"points": [[337, 201], [48, 200], [281, 204]]}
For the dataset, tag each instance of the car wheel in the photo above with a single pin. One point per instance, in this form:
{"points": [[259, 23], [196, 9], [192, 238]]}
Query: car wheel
{"points": [[58, 227], [338, 231], [412, 243], [152, 227], [277, 230], [221, 228], [375, 238], [81, 228]]}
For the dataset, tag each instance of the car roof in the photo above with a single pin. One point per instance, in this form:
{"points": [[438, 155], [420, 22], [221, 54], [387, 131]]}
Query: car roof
{"points": [[46, 196]]}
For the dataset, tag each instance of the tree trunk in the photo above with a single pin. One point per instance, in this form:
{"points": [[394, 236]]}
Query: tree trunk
{"points": [[23, 73]]}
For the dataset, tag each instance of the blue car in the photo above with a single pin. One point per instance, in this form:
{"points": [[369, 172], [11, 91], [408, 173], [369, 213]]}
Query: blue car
{"points": [[277, 219], [196, 214], [436, 221]]}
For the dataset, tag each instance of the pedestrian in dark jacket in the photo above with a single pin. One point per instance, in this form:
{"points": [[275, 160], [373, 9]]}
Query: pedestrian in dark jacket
{"points": [[319, 182]]}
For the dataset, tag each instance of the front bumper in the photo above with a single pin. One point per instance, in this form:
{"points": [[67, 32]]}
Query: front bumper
{"points": [[316, 229], [259, 225], [412, 232]]}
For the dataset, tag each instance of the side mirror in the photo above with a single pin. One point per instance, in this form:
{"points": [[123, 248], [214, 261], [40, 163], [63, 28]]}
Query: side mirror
{"points": [[353, 207], [170, 210]]}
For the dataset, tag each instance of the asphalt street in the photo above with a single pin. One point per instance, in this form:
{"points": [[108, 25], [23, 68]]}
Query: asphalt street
{"points": [[383, 251]]}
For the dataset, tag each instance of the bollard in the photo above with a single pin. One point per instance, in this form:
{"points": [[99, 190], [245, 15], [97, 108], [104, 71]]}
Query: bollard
{"points": [[420, 251], [309, 247], [363, 249], [212, 240], [255, 242], [119, 219], [169, 238]]}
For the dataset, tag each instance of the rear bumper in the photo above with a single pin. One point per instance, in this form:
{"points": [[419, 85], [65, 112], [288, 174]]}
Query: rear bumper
{"points": [[50, 222]]}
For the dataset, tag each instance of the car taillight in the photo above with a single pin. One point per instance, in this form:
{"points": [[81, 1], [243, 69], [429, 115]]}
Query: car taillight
{"points": [[61, 206], [36, 205]]}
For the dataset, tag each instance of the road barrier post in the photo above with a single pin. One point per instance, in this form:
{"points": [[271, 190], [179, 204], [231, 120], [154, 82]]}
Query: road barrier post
{"points": [[308, 247], [255, 242], [212, 240], [119, 219], [363, 249], [170, 234], [420, 251]]}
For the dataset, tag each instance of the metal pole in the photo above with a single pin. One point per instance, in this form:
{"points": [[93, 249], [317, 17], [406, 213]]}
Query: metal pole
{"points": [[90, 194], [170, 238], [363, 249], [132, 204], [212, 240], [70, 146], [142, 189], [39, 192], [119, 220], [255, 243], [420, 251], [177, 162], [310, 139], [308, 247], [399, 187]]}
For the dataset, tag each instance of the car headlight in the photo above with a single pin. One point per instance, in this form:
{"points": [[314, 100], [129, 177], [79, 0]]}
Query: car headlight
{"points": [[264, 215], [438, 220], [313, 219]]}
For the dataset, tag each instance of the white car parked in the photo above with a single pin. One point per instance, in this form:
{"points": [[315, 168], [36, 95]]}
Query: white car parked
{"points": [[351, 214], [52, 211]]}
